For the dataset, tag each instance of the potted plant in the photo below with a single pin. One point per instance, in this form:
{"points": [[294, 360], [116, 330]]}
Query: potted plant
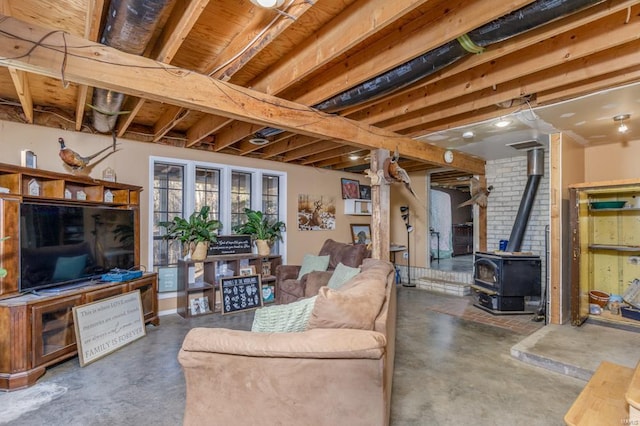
{"points": [[263, 231], [194, 233]]}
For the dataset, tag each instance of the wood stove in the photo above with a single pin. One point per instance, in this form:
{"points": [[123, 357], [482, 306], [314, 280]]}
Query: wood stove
{"points": [[503, 280]]}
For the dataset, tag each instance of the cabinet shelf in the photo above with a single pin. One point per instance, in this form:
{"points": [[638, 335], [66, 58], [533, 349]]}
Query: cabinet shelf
{"points": [[614, 247]]}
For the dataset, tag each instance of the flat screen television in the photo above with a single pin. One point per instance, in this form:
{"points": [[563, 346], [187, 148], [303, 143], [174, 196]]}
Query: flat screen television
{"points": [[65, 244]]}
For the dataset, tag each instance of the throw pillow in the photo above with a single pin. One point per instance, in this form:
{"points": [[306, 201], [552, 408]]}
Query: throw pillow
{"points": [[355, 305], [341, 275], [69, 268], [290, 318], [313, 263]]}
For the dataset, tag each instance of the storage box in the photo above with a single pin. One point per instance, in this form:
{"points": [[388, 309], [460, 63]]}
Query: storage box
{"points": [[631, 313]]}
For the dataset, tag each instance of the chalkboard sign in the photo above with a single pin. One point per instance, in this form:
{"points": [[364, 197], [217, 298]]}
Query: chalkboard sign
{"points": [[240, 293], [230, 244]]}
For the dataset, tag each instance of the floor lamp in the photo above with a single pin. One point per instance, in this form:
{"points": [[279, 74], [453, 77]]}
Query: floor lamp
{"points": [[404, 210]]}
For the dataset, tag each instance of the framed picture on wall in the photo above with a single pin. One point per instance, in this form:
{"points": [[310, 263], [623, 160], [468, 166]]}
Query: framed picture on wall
{"points": [[361, 233], [350, 188], [365, 192]]}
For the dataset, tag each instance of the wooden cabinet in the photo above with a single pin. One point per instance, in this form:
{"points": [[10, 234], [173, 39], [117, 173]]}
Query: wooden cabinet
{"points": [[18, 184], [200, 279], [605, 244], [462, 236], [38, 330]]}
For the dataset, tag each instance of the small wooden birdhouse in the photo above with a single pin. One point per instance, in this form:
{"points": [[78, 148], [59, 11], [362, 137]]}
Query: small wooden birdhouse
{"points": [[81, 195], [108, 196], [34, 187]]}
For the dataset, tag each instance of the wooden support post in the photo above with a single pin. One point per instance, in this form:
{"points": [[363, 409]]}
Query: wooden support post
{"points": [[380, 197]]}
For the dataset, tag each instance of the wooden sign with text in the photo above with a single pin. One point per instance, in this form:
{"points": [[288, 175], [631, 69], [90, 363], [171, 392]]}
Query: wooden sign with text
{"points": [[108, 324]]}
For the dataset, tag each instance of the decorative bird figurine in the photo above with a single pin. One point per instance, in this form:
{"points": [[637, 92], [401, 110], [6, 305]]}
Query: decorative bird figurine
{"points": [[479, 194], [75, 160], [397, 173]]}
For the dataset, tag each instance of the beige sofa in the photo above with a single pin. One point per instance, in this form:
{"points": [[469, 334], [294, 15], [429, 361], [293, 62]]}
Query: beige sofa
{"points": [[337, 372]]}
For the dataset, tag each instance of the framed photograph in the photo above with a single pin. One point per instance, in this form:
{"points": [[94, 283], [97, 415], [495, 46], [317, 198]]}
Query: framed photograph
{"points": [[365, 192], [362, 207], [266, 268], [268, 293], [247, 270], [361, 233], [28, 159], [350, 188]]}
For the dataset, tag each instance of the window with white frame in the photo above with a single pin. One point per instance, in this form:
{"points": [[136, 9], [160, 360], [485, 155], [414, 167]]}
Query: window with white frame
{"points": [[181, 187]]}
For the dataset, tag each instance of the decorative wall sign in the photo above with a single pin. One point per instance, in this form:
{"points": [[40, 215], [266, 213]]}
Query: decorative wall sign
{"points": [[240, 293], [230, 244], [107, 325], [316, 213]]}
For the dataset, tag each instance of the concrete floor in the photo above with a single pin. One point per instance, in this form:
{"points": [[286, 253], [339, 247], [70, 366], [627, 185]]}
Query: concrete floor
{"points": [[448, 371]]}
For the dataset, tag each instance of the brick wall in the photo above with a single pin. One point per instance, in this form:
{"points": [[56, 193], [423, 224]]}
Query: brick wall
{"points": [[509, 177]]}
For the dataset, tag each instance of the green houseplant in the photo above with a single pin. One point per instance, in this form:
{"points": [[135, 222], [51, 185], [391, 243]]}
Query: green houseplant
{"points": [[194, 233], [263, 231]]}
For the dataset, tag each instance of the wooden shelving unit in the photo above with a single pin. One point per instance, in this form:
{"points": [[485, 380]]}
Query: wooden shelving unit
{"points": [[205, 275], [37, 330], [605, 245]]}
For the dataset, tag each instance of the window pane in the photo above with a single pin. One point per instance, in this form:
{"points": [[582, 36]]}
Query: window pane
{"points": [[271, 202], [168, 202], [240, 196], [207, 191]]}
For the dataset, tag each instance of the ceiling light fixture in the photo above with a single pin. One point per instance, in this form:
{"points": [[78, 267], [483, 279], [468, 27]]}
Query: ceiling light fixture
{"points": [[468, 134], [622, 128], [259, 141], [353, 157], [502, 123], [268, 4]]}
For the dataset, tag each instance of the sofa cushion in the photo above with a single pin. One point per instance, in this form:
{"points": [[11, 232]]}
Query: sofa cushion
{"points": [[313, 263], [355, 305], [341, 275], [347, 254], [289, 318]]}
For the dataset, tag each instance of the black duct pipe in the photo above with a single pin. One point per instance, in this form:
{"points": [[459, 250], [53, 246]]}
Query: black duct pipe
{"points": [[535, 170], [520, 21], [129, 27]]}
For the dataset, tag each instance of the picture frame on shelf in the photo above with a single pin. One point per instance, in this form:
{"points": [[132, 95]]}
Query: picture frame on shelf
{"points": [[266, 268], [268, 293], [362, 207], [365, 192], [350, 188], [247, 270], [361, 233], [28, 159]]}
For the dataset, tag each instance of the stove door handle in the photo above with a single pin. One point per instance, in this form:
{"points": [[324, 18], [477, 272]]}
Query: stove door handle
{"points": [[488, 262]]}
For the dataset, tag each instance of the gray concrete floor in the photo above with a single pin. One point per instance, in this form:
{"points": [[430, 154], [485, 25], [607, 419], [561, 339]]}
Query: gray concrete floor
{"points": [[456, 264], [448, 371]]}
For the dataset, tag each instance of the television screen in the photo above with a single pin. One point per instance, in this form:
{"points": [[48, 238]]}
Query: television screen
{"points": [[61, 244]]}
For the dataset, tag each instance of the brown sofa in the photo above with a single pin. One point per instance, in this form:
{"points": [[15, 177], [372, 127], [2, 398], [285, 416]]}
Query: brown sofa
{"points": [[289, 288], [331, 374]]}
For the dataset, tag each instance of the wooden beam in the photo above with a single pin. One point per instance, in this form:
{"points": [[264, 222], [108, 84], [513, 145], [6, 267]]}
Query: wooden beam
{"points": [[184, 15], [142, 77], [281, 147], [21, 83], [167, 121], [386, 109], [332, 153], [203, 128], [303, 152], [578, 43], [417, 37], [361, 20]]}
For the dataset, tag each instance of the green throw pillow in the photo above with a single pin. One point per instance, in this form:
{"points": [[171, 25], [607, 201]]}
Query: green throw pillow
{"points": [[290, 318], [341, 275], [313, 263]]}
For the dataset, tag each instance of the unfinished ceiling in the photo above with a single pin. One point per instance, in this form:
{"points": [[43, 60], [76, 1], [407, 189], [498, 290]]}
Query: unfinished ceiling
{"points": [[399, 71]]}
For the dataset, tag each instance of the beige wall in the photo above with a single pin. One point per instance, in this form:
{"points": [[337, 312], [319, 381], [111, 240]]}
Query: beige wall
{"points": [[612, 161], [131, 164]]}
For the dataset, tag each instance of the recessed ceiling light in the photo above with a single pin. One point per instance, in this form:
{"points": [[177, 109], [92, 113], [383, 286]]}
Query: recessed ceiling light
{"points": [[259, 141], [353, 157], [502, 123], [468, 134], [269, 4]]}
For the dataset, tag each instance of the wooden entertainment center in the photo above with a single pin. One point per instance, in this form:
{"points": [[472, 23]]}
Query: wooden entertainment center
{"points": [[37, 329]]}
